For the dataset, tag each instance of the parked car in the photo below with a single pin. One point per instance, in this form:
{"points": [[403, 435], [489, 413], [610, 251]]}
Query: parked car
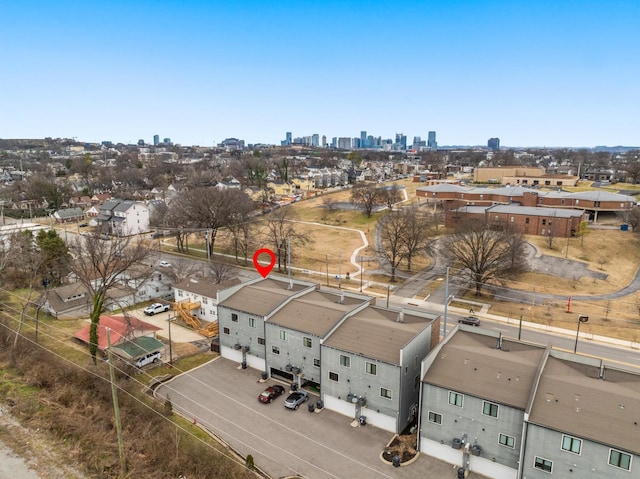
{"points": [[157, 234], [472, 320], [271, 393], [148, 359], [164, 264], [83, 225], [156, 308], [295, 399]]}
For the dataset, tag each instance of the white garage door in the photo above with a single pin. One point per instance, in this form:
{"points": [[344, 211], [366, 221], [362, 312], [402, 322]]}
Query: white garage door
{"points": [[340, 406]]}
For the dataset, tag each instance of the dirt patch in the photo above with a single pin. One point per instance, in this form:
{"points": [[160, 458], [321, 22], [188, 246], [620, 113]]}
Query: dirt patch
{"points": [[403, 446]]}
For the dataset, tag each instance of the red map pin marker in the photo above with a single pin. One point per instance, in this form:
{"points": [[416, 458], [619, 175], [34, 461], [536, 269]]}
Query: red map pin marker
{"points": [[264, 270]]}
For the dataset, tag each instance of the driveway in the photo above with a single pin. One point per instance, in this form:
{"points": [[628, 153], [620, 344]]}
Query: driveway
{"points": [[222, 398]]}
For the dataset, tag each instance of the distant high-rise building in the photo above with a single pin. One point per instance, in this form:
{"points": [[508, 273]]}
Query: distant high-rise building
{"points": [[363, 140], [315, 140], [401, 141], [493, 143], [418, 143], [324, 141], [344, 143], [334, 142], [140, 142], [156, 140], [167, 141], [431, 140], [289, 137]]}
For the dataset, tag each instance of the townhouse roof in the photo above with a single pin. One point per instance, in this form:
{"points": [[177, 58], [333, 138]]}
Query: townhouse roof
{"points": [[205, 286], [316, 312], [379, 333], [573, 399], [69, 213], [471, 363], [262, 297]]}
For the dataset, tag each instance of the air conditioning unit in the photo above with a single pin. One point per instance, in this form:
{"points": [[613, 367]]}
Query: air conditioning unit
{"points": [[456, 443], [245, 349], [288, 368], [476, 450], [237, 346], [296, 370], [362, 402], [350, 397]]}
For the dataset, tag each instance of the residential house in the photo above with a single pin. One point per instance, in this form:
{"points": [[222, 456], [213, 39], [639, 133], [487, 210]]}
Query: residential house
{"points": [[371, 365], [203, 294], [68, 215], [364, 359], [122, 329], [510, 409], [124, 217]]}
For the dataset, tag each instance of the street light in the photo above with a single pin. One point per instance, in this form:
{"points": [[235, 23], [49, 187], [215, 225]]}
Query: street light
{"points": [[581, 319]]}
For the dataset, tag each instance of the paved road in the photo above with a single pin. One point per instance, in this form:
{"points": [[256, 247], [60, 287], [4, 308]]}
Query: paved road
{"points": [[223, 399]]}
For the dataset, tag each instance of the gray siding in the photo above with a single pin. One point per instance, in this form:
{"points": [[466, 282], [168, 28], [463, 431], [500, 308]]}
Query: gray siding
{"points": [[241, 332], [355, 380], [469, 419], [593, 460], [412, 355], [292, 351]]}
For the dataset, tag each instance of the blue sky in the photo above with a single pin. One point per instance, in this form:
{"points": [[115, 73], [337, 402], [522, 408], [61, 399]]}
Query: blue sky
{"points": [[533, 73]]}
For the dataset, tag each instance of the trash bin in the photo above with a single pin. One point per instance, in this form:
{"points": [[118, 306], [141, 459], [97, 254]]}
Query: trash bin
{"points": [[363, 420], [456, 443], [244, 365], [264, 376], [320, 405], [461, 473], [294, 386], [312, 407], [395, 460]]}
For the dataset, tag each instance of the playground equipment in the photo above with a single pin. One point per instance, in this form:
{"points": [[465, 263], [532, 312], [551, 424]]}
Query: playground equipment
{"points": [[184, 308]]}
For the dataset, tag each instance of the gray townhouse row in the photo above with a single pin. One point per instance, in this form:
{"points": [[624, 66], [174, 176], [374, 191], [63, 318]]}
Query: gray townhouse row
{"points": [[363, 359], [510, 409]]}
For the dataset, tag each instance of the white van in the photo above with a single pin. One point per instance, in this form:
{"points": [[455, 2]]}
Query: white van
{"points": [[148, 359]]}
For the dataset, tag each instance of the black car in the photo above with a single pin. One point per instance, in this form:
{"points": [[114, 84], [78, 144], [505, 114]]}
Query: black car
{"points": [[471, 320]]}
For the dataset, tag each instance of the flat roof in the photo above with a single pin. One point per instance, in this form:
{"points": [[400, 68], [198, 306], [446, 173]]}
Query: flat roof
{"points": [[470, 363], [316, 312], [571, 398], [263, 297], [376, 332]]}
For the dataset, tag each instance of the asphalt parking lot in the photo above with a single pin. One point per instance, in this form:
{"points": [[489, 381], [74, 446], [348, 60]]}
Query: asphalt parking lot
{"points": [[222, 398]]}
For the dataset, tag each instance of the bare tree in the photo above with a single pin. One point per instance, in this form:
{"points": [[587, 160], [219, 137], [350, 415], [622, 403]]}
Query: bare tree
{"points": [[102, 266], [220, 272], [367, 196], [482, 252], [280, 230], [330, 203], [240, 224], [418, 229], [391, 195], [391, 246]]}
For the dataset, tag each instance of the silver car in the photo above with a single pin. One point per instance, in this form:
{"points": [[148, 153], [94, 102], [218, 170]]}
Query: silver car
{"points": [[295, 399]]}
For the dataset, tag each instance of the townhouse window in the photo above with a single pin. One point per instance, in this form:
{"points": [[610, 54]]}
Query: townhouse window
{"points": [[385, 393], [543, 464], [619, 459], [559, 183], [512, 219], [334, 376], [234, 317], [455, 399], [261, 341], [489, 409], [284, 335], [571, 444], [275, 349], [562, 202], [526, 221], [415, 362], [225, 330], [180, 294], [252, 322], [435, 418], [345, 361], [306, 342], [371, 368], [544, 222], [316, 362], [416, 382], [507, 441]]}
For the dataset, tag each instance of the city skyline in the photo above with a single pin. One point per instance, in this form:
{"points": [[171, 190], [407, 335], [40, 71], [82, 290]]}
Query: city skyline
{"points": [[549, 74]]}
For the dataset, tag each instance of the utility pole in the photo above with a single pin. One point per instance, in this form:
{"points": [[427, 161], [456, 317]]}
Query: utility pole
{"points": [[116, 407], [446, 301], [340, 270]]}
